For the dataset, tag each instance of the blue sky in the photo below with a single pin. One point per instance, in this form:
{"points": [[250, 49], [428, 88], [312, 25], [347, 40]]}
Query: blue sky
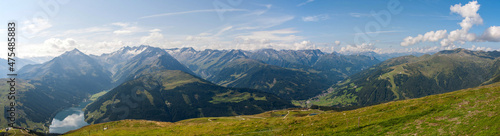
{"points": [[97, 27]]}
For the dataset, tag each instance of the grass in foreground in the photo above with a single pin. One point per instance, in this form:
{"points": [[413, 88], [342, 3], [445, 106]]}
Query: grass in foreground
{"points": [[464, 112]]}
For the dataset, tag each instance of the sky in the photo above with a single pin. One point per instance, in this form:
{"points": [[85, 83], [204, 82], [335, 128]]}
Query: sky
{"points": [[51, 27]]}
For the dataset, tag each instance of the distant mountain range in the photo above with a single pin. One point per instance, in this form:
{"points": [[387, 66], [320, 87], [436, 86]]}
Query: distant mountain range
{"points": [[412, 77], [291, 74], [127, 62], [19, 63]]}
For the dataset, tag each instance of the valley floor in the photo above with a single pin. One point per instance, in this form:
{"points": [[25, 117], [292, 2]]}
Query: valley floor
{"points": [[464, 112]]}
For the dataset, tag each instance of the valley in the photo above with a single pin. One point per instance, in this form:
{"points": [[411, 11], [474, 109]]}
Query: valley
{"points": [[443, 114]]}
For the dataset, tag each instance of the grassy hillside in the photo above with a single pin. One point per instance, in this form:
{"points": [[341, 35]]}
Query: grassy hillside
{"points": [[22, 120], [464, 112]]}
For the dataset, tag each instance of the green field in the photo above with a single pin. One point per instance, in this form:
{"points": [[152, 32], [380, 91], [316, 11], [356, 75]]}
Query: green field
{"points": [[464, 112]]}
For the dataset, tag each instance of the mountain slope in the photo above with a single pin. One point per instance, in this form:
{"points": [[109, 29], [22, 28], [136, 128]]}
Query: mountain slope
{"points": [[24, 114], [287, 58], [412, 77], [55, 85], [73, 69], [464, 112], [286, 83], [233, 68], [127, 62], [332, 64], [175, 95]]}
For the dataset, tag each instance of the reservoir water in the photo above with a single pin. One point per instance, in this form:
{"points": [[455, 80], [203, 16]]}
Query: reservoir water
{"points": [[69, 119]]}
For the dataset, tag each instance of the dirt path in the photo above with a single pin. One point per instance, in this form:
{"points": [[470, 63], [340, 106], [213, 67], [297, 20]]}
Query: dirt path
{"points": [[286, 114]]}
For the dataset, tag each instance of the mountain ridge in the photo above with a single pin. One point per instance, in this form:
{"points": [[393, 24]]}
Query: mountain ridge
{"points": [[412, 77]]}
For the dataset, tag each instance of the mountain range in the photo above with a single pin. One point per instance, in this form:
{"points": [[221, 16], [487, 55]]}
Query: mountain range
{"points": [[291, 74], [151, 83], [412, 77], [70, 78]]}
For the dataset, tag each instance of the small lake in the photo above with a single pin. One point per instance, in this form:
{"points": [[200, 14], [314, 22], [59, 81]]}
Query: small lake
{"points": [[69, 119]]}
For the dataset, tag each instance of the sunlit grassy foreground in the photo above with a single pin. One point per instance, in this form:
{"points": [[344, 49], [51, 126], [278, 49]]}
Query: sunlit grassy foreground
{"points": [[464, 112]]}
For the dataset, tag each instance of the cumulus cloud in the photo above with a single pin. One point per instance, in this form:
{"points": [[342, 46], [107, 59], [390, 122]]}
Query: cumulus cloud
{"points": [[429, 36], [315, 18], [491, 34], [470, 18], [469, 13]]}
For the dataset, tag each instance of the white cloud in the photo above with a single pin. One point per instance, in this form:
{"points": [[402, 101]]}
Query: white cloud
{"points": [[469, 12], [263, 22], [32, 27], [155, 30], [304, 45], [491, 34], [358, 15], [122, 24], [474, 47], [70, 121], [61, 45], [429, 36], [315, 18], [284, 35], [122, 32], [73, 121], [259, 11], [470, 18], [337, 43], [155, 38], [92, 30], [50, 47], [304, 3], [126, 28], [365, 47], [223, 30], [106, 47]]}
